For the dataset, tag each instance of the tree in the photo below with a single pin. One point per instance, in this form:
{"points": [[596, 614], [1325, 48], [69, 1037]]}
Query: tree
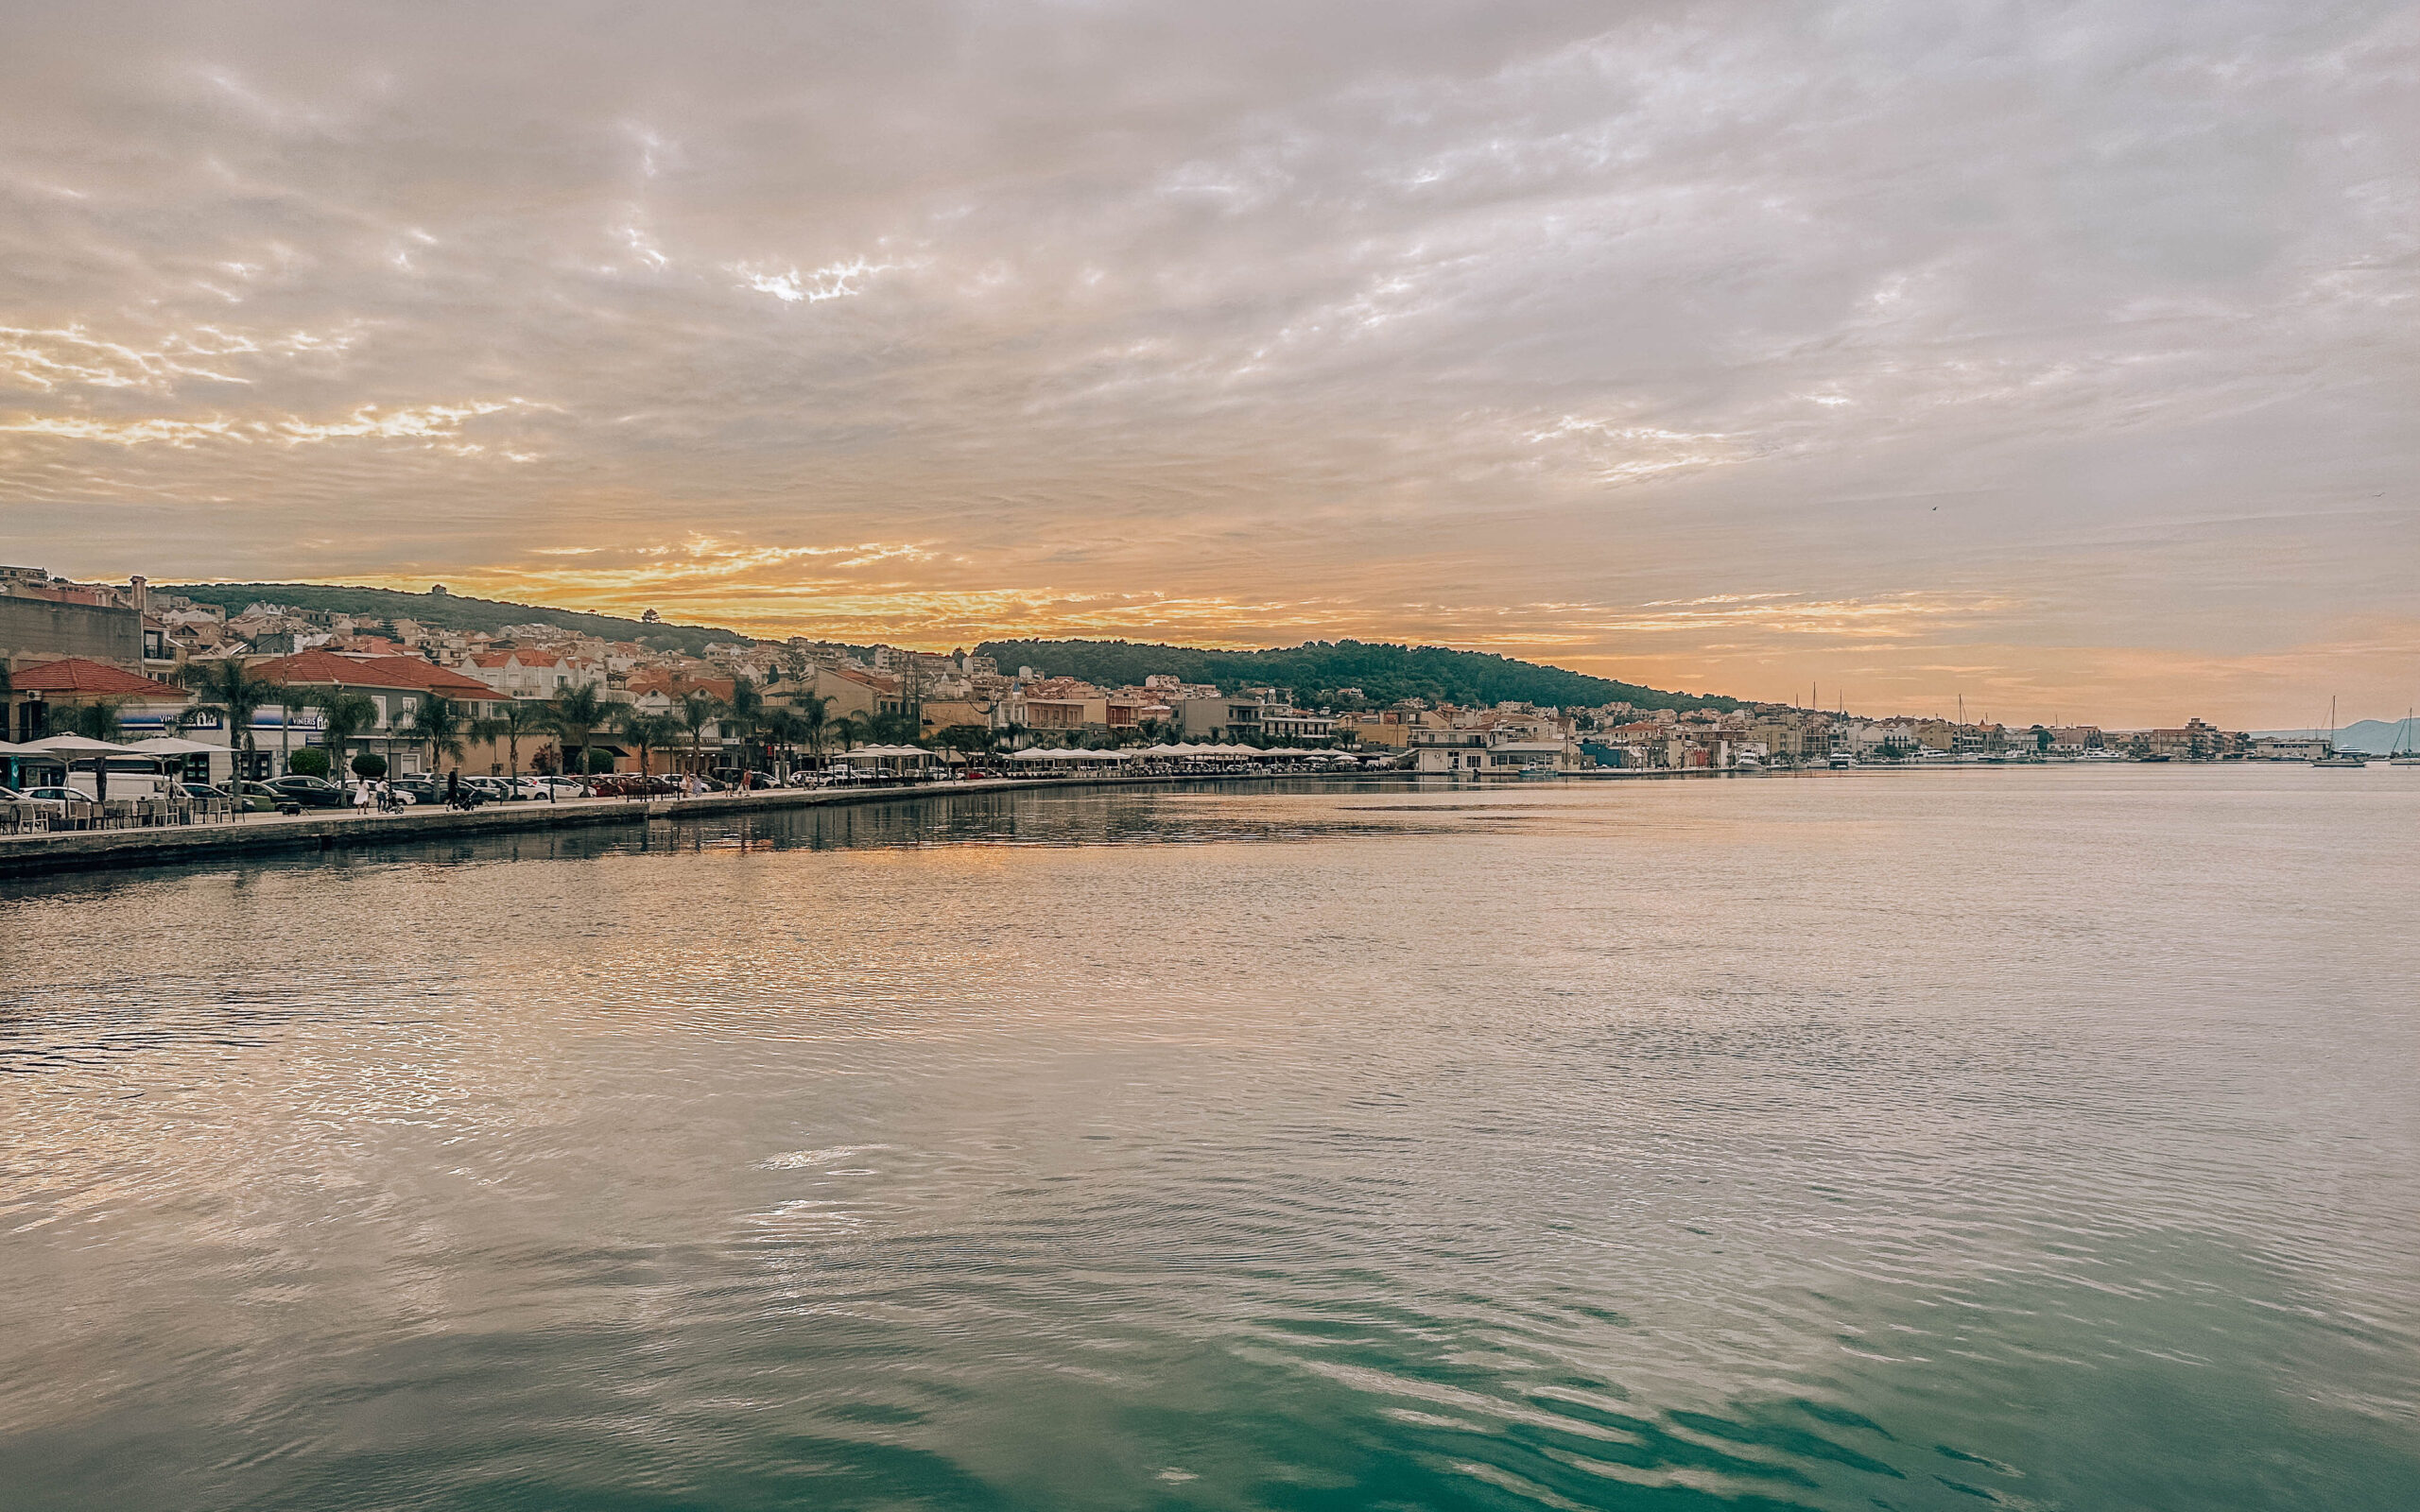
{"points": [[648, 733], [783, 729], [814, 717], [439, 723], [228, 691], [369, 766], [344, 714], [520, 717], [898, 727], [845, 732], [742, 716], [96, 720], [311, 761], [574, 715], [697, 711], [968, 740]]}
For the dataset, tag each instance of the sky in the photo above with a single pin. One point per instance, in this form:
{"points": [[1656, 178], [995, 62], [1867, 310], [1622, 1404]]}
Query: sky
{"points": [[2063, 359]]}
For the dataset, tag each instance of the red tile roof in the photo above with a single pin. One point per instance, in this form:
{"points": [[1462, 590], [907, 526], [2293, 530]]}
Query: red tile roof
{"points": [[76, 676], [372, 672]]}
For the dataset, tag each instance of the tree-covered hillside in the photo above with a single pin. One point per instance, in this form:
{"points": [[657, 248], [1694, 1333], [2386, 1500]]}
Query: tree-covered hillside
{"points": [[451, 611], [1317, 669]]}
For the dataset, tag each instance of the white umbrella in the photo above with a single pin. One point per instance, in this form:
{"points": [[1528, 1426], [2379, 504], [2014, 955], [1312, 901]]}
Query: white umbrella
{"points": [[172, 746], [1029, 754], [76, 745]]}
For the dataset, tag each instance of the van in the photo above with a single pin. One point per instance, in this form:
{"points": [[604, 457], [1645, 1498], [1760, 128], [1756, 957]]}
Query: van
{"points": [[122, 784]]}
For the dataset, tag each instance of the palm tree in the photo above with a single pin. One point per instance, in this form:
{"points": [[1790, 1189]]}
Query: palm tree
{"points": [[344, 714], [743, 715], [648, 733], [439, 723], [520, 716], [782, 730], [697, 711], [574, 715], [96, 720], [229, 691], [814, 716]]}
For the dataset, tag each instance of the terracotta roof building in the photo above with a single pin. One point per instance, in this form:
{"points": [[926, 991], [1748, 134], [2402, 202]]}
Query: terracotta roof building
{"points": [[76, 677]]}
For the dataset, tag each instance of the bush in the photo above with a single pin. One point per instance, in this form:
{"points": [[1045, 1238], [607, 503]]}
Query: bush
{"points": [[599, 760], [309, 762], [369, 766]]}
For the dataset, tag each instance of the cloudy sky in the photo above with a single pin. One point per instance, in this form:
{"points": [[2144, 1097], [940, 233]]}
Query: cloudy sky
{"points": [[2064, 357]]}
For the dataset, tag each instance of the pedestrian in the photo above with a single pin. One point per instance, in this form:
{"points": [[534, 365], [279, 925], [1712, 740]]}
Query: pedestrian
{"points": [[454, 788], [361, 795]]}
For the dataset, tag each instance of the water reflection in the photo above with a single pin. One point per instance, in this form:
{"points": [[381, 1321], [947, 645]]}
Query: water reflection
{"points": [[1820, 1144]]}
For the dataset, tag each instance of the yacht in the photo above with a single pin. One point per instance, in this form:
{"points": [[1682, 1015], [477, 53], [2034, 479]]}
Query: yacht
{"points": [[2404, 755], [2333, 757]]}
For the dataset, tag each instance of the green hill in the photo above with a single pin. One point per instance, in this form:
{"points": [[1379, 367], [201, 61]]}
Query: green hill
{"points": [[452, 612], [1317, 668]]}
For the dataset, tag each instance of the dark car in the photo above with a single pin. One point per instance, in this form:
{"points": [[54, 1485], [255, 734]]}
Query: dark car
{"points": [[311, 792]]}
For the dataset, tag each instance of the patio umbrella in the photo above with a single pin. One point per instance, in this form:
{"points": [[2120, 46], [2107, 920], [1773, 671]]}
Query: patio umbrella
{"points": [[71, 748], [172, 746]]}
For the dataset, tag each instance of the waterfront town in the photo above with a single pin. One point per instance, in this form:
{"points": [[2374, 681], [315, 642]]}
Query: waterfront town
{"points": [[272, 693]]}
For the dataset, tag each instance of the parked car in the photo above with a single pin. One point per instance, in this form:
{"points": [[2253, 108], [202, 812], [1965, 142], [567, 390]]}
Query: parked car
{"points": [[495, 789], [311, 792], [54, 798]]}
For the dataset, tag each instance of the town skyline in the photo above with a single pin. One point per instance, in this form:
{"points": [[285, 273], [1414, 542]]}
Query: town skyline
{"points": [[352, 619], [2063, 366]]}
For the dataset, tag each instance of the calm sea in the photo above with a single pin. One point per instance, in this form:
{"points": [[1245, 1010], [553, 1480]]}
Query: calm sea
{"points": [[2046, 1138]]}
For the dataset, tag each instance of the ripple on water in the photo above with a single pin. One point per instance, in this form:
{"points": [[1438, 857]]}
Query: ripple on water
{"points": [[1991, 1137]]}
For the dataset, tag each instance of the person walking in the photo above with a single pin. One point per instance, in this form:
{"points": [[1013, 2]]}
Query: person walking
{"points": [[454, 788]]}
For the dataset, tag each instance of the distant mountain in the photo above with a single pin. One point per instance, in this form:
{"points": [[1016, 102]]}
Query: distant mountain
{"points": [[2371, 737], [452, 612], [1317, 669]]}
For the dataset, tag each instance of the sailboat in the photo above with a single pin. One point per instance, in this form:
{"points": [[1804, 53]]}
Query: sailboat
{"points": [[2404, 755], [2334, 757]]}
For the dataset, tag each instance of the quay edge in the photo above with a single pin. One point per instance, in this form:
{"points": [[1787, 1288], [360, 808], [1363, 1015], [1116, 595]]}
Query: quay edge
{"points": [[45, 854]]}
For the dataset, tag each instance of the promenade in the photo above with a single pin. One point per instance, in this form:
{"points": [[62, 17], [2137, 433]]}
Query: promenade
{"points": [[68, 851]]}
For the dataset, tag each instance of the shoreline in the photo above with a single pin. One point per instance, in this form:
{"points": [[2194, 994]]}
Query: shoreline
{"points": [[56, 854], [53, 853]]}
